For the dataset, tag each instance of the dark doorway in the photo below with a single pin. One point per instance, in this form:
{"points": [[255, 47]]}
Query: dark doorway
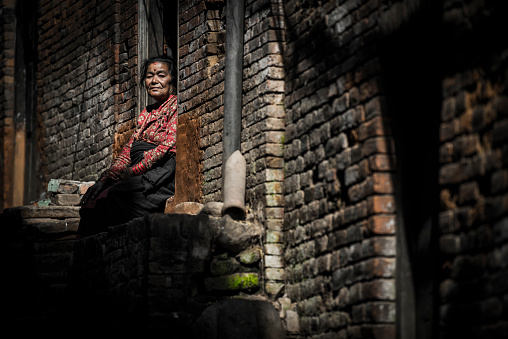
{"points": [[157, 35], [27, 181], [413, 82], [170, 28]]}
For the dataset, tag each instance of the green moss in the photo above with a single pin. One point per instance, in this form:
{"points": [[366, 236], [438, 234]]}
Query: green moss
{"points": [[242, 281]]}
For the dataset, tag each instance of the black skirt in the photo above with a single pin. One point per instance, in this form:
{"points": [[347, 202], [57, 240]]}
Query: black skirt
{"points": [[133, 197]]}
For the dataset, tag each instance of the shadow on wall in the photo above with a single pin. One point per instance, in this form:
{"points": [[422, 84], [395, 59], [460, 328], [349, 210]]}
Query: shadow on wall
{"points": [[435, 43], [411, 81]]}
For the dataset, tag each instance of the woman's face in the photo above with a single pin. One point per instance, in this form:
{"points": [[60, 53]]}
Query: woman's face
{"points": [[158, 81]]}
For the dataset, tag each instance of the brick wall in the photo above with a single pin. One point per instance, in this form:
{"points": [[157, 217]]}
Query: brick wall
{"points": [[363, 134], [202, 45], [473, 177], [262, 133], [473, 219], [395, 148], [200, 99], [86, 84], [202, 38], [339, 191]]}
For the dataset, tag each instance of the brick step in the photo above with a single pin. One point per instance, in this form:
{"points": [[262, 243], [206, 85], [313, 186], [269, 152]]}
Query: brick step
{"points": [[63, 192], [54, 212], [53, 226]]}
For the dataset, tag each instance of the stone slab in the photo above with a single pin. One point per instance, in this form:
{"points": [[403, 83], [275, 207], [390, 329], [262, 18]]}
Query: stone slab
{"points": [[51, 226], [25, 212], [188, 208]]}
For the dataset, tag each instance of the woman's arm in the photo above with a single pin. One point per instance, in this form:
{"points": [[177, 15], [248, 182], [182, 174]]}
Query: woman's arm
{"points": [[123, 160], [165, 136], [151, 157]]}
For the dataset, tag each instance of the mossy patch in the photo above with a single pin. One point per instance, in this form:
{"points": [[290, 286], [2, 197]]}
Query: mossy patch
{"points": [[237, 281], [241, 281]]}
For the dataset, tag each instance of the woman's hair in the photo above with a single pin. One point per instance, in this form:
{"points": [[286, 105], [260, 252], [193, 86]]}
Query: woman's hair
{"points": [[162, 58]]}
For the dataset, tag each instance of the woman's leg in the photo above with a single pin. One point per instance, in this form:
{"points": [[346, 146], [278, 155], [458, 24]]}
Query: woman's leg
{"points": [[92, 216]]}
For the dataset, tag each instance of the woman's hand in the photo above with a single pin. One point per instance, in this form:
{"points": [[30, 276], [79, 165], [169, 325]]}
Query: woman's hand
{"points": [[92, 192], [127, 173]]}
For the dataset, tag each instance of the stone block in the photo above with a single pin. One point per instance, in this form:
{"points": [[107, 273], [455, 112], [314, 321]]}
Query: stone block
{"points": [[292, 322], [274, 249], [221, 267], [188, 208], [62, 186], [274, 236], [250, 256], [67, 199], [213, 209], [274, 288], [275, 274], [236, 236]]}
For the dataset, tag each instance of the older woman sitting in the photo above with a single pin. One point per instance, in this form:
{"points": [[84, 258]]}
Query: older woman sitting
{"points": [[142, 177]]}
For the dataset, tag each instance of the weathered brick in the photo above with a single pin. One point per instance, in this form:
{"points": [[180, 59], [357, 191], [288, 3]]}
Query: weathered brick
{"points": [[382, 224], [375, 127], [382, 289], [382, 246], [450, 244], [499, 181], [378, 145], [274, 261], [383, 183], [376, 105], [382, 162], [468, 192], [275, 274], [448, 109], [381, 204], [450, 174], [448, 130]]}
